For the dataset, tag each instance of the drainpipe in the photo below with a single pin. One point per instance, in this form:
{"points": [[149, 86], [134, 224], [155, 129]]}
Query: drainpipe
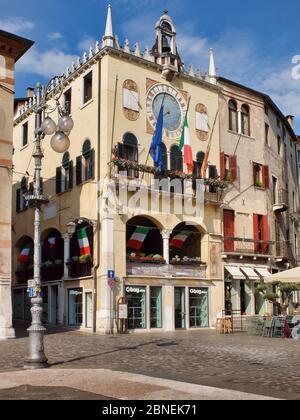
{"points": [[96, 268]]}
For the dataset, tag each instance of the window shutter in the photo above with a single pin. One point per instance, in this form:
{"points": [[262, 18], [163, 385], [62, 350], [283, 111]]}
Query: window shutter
{"points": [[92, 165], [18, 200], [78, 170], [222, 165], [71, 169], [233, 168], [58, 180], [256, 233], [266, 177], [265, 234], [229, 230]]}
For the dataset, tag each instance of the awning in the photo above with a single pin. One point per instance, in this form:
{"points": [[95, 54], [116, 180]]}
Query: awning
{"points": [[289, 276], [235, 272], [263, 272], [250, 273]]}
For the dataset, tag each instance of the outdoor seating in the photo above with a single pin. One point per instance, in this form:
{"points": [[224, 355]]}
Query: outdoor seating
{"points": [[224, 325]]}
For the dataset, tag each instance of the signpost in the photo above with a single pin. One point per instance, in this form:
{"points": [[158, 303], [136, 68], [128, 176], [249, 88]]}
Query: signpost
{"points": [[122, 315]]}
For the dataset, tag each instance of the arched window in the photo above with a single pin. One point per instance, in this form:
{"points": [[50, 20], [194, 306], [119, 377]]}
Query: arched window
{"points": [[85, 164], [165, 156], [176, 159], [233, 116], [245, 120], [128, 150], [81, 251], [52, 256], [64, 175]]}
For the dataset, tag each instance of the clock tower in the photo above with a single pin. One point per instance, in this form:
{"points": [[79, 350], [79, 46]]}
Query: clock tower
{"points": [[165, 49]]}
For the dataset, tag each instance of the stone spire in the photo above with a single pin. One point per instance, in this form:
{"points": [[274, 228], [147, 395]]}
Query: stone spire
{"points": [[212, 72], [108, 39]]}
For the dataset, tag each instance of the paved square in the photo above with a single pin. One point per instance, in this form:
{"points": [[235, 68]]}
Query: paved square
{"points": [[269, 367]]}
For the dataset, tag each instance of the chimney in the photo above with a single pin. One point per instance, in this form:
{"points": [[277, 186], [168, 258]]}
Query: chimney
{"points": [[290, 120], [30, 92]]}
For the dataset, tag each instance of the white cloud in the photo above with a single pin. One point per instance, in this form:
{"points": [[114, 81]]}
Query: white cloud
{"points": [[86, 43], [48, 63], [53, 36], [16, 25]]}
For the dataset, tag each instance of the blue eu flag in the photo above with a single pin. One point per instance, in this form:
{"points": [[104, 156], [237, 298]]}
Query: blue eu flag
{"points": [[156, 146]]}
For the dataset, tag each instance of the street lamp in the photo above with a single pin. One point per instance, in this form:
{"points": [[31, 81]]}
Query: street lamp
{"points": [[60, 143]]}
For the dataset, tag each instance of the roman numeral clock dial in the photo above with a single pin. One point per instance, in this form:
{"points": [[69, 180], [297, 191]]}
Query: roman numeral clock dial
{"points": [[174, 109]]}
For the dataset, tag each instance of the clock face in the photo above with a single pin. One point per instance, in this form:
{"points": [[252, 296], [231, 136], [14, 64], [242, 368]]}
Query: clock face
{"points": [[174, 109]]}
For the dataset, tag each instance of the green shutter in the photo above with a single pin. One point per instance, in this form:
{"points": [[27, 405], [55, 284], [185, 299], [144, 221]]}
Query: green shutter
{"points": [[71, 175], [58, 180], [78, 170]]}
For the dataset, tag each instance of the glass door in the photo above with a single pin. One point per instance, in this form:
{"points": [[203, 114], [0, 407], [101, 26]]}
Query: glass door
{"points": [[199, 316], [156, 307], [180, 312], [75, 307], [136, 298]]}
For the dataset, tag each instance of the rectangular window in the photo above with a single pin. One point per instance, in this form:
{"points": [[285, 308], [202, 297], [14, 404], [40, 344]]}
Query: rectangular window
{"points": [[261, 234], [25, 134], [279, 145], [261, 176], [68, 101], [88, 87], [275, 191], [136, 298], [156, 307], [267, 129], [75, 307]]}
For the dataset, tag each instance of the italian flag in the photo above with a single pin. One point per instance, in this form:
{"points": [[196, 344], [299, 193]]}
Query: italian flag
{"points": [[52, 242], [83, 241], [138, 238], [179, 240], [24, 255], [185, 145]]}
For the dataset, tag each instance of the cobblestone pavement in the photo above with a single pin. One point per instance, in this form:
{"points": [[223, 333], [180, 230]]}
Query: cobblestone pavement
{"points": [[256, 365]]}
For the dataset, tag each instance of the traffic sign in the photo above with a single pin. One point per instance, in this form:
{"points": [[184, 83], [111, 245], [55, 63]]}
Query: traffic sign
{"points": [[31, 292], [111, 274]]}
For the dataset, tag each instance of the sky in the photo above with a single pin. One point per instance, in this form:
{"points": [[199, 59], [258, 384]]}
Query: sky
{"points": [[256, 43]]}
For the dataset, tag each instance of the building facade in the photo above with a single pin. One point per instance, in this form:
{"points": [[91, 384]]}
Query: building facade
{"points": [[261, 207], [12, 48], [146, 235]]}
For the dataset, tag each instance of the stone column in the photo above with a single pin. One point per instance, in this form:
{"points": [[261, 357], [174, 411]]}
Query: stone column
{"points": [[104, 306], [61, 301], [240, 122], [67, 239], [166, 242]]}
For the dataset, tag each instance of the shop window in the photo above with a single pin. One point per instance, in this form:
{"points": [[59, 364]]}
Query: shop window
{"points": [[136, 298], [25, 134], [233, 116], [156, 307], [85, 164], [64, 175], [75, 314], [88, 87], [245, 111], [261, 176]]}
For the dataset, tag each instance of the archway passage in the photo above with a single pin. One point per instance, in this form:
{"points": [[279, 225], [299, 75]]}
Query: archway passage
{"points": [[143, 241], [185, 245]]}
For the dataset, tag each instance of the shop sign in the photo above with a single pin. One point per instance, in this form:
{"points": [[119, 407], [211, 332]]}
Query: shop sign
{"points": [[136, 290], [198, 292], [123, 311]]}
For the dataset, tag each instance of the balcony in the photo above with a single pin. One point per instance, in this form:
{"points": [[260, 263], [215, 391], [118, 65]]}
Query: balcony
{"points": [[247, 247], [79, 269], [281, 203], [51, 271], [180, 269], [284, 251], [149, 176]]}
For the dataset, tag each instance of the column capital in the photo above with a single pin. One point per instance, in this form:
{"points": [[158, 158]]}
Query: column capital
{"points": [[166, 233], [66, 236]]}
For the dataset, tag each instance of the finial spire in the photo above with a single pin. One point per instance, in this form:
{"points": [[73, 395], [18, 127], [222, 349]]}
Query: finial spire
{"points": [[108, 39], [212, 72]]}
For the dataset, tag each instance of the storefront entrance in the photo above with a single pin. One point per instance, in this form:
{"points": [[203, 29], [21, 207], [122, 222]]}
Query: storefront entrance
{"points": [[75, 307], [199, 314], [136, 298], [180, 308]]}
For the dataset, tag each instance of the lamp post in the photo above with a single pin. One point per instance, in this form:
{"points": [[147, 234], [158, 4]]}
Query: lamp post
{"points": [[60, 143]]}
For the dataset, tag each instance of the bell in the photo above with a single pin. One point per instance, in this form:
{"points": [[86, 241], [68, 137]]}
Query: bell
{"points": [[165, 45]]}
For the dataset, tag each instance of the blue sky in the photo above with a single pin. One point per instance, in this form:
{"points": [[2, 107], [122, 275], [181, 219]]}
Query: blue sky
{"points": [[254, 41]]}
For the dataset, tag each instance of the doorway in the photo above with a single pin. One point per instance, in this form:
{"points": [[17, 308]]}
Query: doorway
{"points": [[180, 308]]}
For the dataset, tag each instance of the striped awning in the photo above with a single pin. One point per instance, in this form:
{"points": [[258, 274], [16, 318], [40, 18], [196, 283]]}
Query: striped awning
{"points": [[263, 272], [250, 273], [235, 272]]}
